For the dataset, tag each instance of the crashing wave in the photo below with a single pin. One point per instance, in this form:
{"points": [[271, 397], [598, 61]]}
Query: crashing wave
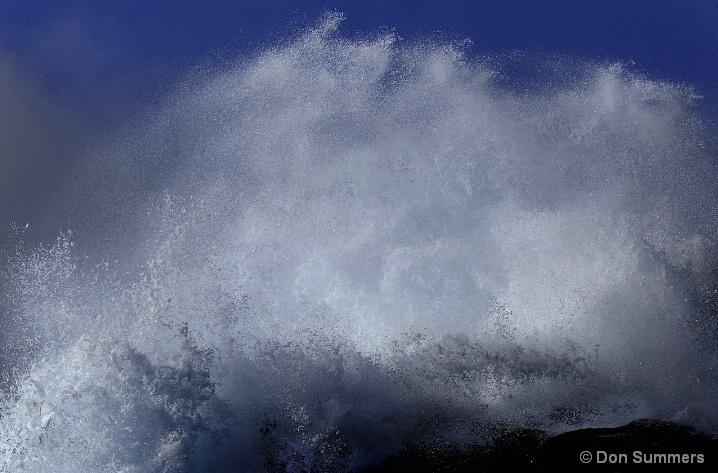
{"points": [[355, 245]]}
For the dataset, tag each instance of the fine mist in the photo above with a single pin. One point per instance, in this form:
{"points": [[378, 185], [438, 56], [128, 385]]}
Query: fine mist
{"points": [[338, 248]]}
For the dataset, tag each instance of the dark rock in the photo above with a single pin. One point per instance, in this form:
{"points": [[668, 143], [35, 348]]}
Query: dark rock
{"points": [[628, 448], [639, 446], [510, 449]]}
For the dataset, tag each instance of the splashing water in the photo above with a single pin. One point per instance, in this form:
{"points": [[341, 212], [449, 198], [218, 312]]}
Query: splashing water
{"points": [[355, 245]]}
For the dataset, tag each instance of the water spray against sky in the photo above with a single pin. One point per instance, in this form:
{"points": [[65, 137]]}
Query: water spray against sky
{"points": [[340, 247]]}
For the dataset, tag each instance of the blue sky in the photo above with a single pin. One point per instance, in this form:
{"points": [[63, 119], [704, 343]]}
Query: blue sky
{"points": [[74, 70], [116, 54]]}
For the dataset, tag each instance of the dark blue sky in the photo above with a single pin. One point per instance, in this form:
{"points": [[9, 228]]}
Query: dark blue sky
{"points": [[115, 54]]}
